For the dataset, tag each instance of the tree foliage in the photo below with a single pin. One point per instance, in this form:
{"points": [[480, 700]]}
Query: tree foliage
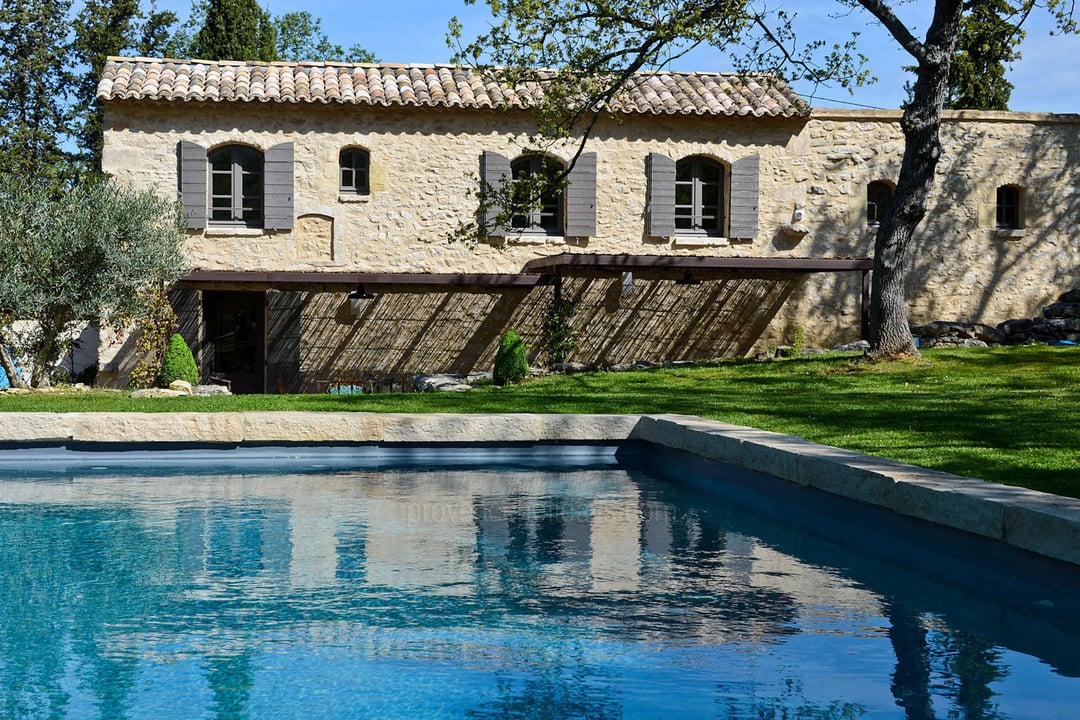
{"points": [[511, 359], [96, 251], [178, 363], [300, 38], [989, 40], [236, 30], [596, 45], [104, 28], [35, 81]]}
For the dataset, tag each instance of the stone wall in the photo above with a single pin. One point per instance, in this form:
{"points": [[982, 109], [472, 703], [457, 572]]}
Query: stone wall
{"points": [[424, 166]]}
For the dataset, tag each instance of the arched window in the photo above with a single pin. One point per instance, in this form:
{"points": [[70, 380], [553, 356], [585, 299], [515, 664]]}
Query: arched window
{"points": [[545, 216], [236, 186], [699, 196], [353, 164], [878, 195], [1008, 207]]}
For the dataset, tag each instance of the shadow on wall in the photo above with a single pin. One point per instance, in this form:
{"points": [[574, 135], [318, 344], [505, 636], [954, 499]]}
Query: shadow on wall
{"points": [[398, 334], [961, 267]]}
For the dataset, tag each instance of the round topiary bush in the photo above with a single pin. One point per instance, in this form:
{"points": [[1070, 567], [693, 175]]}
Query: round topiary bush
{"points": [[179, 363], [511, 363]]}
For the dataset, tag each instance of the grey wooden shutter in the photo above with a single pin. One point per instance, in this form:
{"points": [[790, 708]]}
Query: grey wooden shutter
{"points": [[660, 196], [744, 198], [192, 175], [278, 187], [495, 174], [581, 197], [283, 341]]}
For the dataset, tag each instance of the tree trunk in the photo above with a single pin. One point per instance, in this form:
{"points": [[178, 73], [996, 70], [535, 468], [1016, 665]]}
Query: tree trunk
{"points": [[46, 351], [8, 364], [890, 334]]}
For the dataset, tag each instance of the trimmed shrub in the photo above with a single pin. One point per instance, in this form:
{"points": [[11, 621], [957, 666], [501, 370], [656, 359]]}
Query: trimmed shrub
{"points": [[179, 363], [511, 363]]}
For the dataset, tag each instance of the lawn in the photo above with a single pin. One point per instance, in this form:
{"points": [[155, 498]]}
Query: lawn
{"points": [[1009, 415]]}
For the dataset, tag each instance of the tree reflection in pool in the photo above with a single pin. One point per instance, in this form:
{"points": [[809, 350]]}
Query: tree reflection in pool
{"points": [[599, 592]]}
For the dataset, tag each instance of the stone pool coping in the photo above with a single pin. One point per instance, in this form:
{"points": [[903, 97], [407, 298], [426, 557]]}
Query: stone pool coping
{"points": [[1038, 522]]}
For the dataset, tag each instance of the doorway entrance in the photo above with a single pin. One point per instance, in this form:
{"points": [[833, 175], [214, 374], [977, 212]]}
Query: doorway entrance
{"points": [[235, 347]]}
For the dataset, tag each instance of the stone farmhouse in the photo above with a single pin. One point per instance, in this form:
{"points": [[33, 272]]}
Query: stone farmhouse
{"points": [[708, 215]]}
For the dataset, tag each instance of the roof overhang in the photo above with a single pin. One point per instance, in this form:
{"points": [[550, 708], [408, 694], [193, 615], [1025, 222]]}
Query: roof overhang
{"points": [[569, 263]]}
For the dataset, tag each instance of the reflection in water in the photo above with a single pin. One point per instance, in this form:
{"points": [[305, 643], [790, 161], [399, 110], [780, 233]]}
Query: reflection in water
{"points": [[596, 593]]}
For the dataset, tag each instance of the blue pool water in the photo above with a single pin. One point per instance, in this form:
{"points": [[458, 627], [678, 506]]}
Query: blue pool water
{"points": [[324, 588]]}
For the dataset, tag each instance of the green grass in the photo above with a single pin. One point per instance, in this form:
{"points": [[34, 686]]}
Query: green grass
{"points": [[1009, 415]]}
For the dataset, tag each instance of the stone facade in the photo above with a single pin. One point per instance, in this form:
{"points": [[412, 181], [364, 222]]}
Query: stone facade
{"points": [[423, 181]]}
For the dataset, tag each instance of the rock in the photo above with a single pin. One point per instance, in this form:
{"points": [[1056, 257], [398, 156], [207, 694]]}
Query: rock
{"points": [[1072, 296], [1015, 327], [852, 347], [209, 390], [443, 382], [157, 393], [954, 332], [182, 386], [569, 367], [1062, 310]]}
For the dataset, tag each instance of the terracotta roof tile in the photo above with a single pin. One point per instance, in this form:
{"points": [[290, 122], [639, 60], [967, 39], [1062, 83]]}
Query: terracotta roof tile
{"points": [[670, 93]]}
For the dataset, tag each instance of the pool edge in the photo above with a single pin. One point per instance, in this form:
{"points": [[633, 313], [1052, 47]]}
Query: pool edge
{"points": [[1035, 521]]}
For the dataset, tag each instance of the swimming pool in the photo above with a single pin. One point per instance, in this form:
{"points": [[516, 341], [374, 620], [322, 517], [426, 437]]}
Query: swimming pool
{"points": [[506, 585]]}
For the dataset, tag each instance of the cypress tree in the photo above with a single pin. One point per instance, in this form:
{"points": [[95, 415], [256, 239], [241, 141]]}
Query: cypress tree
{"points": [[236, 30]]}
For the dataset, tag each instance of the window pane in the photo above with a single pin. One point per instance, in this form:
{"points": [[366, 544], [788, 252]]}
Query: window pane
{"points": [[684, 171], [250, 160], [221, 160], [878, 195], [710, 172], [221, 183], [684, 194], [1008, 207]]}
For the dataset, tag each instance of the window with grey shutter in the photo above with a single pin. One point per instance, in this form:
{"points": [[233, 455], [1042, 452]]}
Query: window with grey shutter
{"points": [[192, 176], [660, 196], [581, 197], [278, 187], [699, 196], [494, 174], [546, 216], [744, 198], [236, 186]]}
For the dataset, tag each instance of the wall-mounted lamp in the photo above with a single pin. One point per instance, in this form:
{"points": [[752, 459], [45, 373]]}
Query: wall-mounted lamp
{"points": [[687, 279], [360, 294]]}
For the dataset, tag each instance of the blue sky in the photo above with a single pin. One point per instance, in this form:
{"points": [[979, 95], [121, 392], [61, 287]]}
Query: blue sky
{"points": [[1047, 78]]}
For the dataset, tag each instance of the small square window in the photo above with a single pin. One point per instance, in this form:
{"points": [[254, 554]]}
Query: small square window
{"points": [[353, 176], [1008, 207], [878, 195]]}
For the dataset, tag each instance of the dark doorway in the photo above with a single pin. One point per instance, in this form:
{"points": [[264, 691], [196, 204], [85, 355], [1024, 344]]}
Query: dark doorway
{"points": [[235, 347]]}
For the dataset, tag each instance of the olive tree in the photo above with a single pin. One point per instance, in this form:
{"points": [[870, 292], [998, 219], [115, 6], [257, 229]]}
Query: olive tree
{"points": [[97, 251], [595, 45]]}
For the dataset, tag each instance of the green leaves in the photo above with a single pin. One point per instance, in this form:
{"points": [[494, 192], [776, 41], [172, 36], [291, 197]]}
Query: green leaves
{"points": [[93, 252]]}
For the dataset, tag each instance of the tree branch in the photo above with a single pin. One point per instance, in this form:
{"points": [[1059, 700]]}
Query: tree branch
{"points": [[896, 27]]}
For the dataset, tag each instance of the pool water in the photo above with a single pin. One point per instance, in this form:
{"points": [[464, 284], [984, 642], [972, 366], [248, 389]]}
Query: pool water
{"points": [[601, 591]]}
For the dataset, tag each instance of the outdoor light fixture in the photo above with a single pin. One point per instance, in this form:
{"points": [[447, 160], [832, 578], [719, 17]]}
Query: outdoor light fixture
{"points": [[687, 279], [360, 294]]}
